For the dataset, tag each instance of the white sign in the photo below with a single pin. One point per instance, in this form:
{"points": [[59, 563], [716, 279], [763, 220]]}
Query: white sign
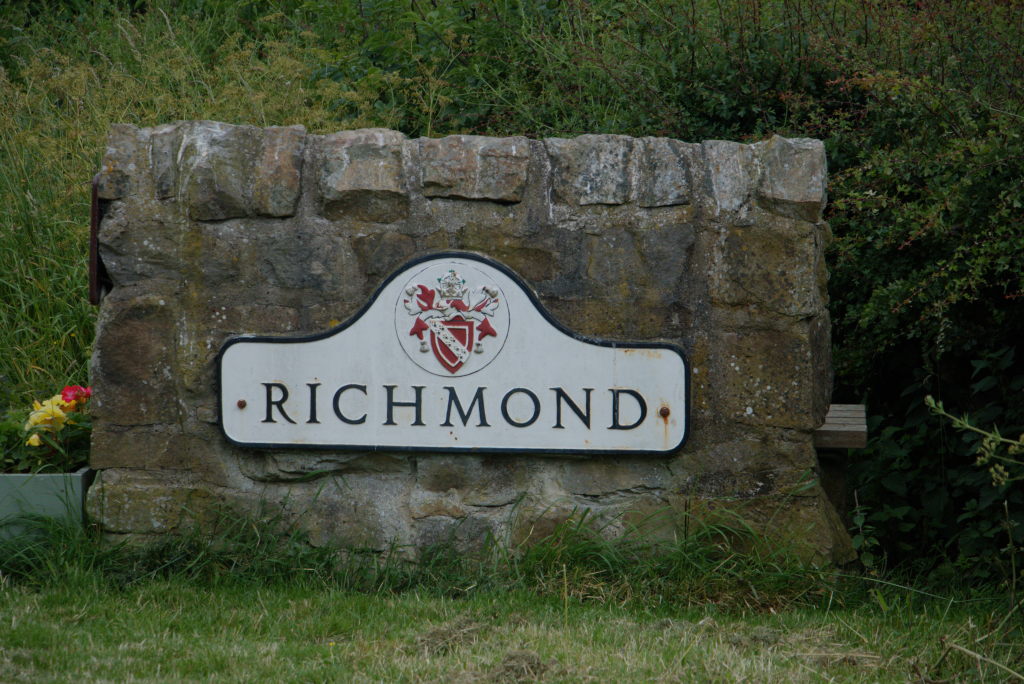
{"points": [[454, 352]]}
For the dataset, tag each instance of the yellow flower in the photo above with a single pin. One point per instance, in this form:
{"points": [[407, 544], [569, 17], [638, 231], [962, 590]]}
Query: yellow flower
{"points": [[34, 441], [58, 400], [49, 415]]}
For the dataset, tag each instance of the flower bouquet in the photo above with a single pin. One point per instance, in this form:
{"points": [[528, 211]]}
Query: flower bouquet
{"points": [[53, 438]]}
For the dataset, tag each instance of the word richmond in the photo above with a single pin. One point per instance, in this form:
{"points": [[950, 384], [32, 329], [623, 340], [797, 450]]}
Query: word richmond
{"points": [[413, 406]]}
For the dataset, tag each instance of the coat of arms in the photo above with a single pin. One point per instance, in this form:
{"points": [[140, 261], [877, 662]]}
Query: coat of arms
{"points": [[452, 320]]}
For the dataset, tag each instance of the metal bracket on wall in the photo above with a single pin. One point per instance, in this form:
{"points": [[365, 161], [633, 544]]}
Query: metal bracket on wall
{"points": [[99, 279]]}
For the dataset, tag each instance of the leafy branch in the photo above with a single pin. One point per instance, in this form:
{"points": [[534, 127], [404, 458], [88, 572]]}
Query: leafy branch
{"points": [[999, 453]]}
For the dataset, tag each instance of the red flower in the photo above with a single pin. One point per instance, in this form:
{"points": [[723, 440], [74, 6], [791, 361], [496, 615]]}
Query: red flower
{"points": [[75, 393]]}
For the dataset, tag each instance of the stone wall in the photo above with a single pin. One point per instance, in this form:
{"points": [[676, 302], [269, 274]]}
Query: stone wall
{"points": [[212, 230]]}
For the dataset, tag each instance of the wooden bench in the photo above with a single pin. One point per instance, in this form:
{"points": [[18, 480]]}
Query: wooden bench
{"points": [[845, 427]]}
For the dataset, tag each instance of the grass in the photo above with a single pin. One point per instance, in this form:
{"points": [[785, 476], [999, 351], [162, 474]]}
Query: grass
{"points": [[64, 79], [253, 602], [175, 630]]}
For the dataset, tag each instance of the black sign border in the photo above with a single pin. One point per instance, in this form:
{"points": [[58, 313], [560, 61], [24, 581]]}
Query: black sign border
{"points": [[538, 305]]}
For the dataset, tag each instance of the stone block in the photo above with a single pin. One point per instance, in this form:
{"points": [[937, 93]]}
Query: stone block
{"points": [[774, 265], [164, 144], [476, 480], [118, 170], [623, 320], [665, 176], [475, 167], [216, 167], [752, 482], [666, 252], [614, 478], [381, 253], [275, 259], [294, 466], [732, 176], [158, 447], [766, 377], [534, 258], [467, 534], [591, 169], [140, 242], [820, 336], [759, 450], [279, 173], [133, 373], [365, 510], [424, 504], [141, 502], [793, 177], [614, 268], [362, 176]]}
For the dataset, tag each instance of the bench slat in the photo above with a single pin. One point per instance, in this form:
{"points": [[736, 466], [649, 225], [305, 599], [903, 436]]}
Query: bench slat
{"points": [[845, 428]]}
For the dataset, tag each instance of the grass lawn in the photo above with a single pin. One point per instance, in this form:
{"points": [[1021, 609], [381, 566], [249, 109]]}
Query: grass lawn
{"points": [[177, 630]]}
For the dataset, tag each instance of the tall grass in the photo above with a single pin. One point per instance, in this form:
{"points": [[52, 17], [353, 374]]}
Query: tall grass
{"points": [[574, 563], [67, 76], [204, 605]]}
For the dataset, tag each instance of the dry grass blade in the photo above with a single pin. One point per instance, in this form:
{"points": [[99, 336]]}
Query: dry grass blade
{"points": [[984, 659]]}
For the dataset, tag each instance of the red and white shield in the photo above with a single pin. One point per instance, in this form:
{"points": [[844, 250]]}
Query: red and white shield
{"points": [[452, 341], [456, 327]]}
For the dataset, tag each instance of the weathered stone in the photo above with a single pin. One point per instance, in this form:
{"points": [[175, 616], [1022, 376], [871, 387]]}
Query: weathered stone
{"points": [[164, 143], [479, 481], [761, 451], [621, 320], [157, 447], [381, 253], [774, 265], [665, 171], [140, 248], [765, 377], [666, 252], [210, 321], [300, 467], [475, 167], [362, 176], [424, 504], [820, 342], [732, 175], [614, 268], [712, 247], [465, 534], [279, 173], [143, 502], [314, 264], [133, 361], [119, 165], [534, 259], [793, 178], [591, 169], [216, 168], [614, 477], [362, 510]]}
